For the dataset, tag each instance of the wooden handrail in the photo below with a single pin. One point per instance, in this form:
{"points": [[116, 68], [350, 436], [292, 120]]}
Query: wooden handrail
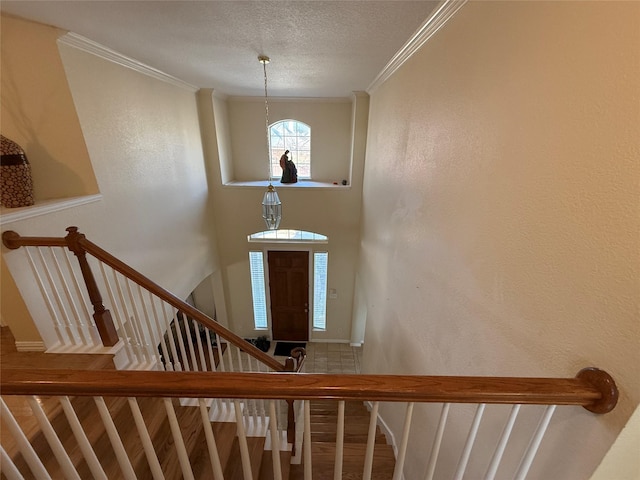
{"points": [[593, 389], [14, 240]]}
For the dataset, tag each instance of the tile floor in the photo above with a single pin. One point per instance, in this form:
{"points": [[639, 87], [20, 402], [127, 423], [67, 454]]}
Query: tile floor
{"points": [[332, 358]]}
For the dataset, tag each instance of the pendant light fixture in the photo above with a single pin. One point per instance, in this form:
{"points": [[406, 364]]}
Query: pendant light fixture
{"points": [[271, 205]]}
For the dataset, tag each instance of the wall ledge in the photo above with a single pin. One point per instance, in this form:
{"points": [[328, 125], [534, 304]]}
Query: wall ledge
{"points": [[278, 185], [8, 215]]}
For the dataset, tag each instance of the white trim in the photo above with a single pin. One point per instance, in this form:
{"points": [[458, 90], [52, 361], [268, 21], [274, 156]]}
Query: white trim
{"points": [[438, 18], [77, 41], [30, 346], [355, 344], [45, 207]]}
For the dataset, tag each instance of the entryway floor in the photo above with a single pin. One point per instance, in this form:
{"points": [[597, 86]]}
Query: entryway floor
{"points": [[330, 358]]}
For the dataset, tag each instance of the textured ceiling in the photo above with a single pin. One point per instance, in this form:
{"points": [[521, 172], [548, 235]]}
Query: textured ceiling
{"points": [[317, 48]]}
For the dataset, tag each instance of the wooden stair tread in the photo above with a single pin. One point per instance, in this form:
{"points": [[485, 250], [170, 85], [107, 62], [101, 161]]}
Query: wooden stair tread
{"points": [[41, 360], [233, 469]]}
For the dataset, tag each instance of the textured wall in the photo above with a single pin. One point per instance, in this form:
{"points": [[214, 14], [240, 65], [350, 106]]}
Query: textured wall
{"points": [[143, 138], [501, 226]]}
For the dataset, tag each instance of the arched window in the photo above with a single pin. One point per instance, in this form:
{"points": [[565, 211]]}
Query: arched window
{"points": [[294, 136]]}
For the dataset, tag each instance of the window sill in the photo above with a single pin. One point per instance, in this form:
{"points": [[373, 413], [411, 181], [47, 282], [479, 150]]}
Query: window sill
{"points": [[299, 184], [8, 215]]}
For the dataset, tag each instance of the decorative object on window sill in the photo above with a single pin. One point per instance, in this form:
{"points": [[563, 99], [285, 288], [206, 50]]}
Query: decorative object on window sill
{"points": [[271, 205], [15, 178]]}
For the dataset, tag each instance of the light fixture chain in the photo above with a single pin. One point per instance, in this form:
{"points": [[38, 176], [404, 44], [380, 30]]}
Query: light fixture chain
{"points": [[266, 116]]}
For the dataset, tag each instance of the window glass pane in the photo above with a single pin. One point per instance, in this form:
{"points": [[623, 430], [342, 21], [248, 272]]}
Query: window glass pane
{"points": [[320, 290], [293, 136], [256, 265]]}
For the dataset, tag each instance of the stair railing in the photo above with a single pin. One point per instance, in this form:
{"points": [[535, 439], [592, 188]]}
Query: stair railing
{"points": [[155, 329], [592, 388]]}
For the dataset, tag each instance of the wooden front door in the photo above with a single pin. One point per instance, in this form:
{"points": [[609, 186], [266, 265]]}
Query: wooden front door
{"points": [[289, 290]]}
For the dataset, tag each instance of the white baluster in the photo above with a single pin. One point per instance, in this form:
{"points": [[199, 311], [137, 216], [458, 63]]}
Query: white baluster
{"points": [[306, 445], [78, 326], [183, 351], [471, 438], [371, 442], [58, 327], [183, 456], [114, 438], [223, 367], [145, 438], [211, 441], [337, 467], [203, 362], [153, 332], [129, 327], [115, 310], [52, 438], [83, 442], [7, 467], [275, 441], [27, 451], [177, 365], [402, 450], [530, 454], [192, 352], [71, 333], [242, 441], [168, 364], [504, 438], [437, 441], [137, 324], [83, 297]]}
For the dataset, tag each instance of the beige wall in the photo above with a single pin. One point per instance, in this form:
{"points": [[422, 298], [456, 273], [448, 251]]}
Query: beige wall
{"points": [[330, 123], [37, 111], [334, 212], [501, 228], [142, 135]]}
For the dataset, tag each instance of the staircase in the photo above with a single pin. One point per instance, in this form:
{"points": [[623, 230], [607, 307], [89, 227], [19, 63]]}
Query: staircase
{"points": [[324, 416], [323, 420]]}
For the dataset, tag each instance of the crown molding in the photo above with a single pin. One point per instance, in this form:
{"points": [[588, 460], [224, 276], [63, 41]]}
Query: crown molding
{"points": [[77, 41], [435, 22]]}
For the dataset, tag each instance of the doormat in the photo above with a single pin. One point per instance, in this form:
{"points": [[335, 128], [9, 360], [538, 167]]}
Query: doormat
{"points": [[283, 349]]}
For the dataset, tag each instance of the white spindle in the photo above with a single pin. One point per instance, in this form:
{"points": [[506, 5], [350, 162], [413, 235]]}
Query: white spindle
{"points": [[212, 358], [59, 329], [183, 456], [402, 450], [78, 325], [91, 326], [437, 441], [83, 442], [504, 438], [192, 352], [203, 362], [153, 343], [275, 441], [306, 444], [168, 364], [530, 454], [128, 328], [177, 365], [471, 438], [137, 323], [240, 367], [7, 467], [176, 323], [58, 299], [115, 310], [211, 441], [242, 441], [337, 466], [27, 451], [371, 442], [52, 438], [145, 438], [221, 352], [114, 438]]}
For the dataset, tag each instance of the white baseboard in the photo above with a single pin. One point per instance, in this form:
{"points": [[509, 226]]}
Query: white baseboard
{"points": [[30, 346], [356, 344]]}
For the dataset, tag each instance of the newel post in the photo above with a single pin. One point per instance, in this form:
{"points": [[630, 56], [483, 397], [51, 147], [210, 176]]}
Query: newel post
{"points": [[101, 315]]}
